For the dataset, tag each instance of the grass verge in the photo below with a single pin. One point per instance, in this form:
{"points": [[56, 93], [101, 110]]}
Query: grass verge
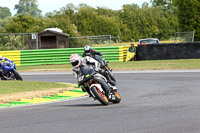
{"points": [[132, 65], [157, 65], [7, 87]]}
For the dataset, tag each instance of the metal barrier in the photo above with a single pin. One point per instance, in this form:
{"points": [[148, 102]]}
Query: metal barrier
{"points": [[61, 56], [12, 55], [123, 53], [47, 56]]}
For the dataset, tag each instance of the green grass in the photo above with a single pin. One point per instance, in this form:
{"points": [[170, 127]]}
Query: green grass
{"points": [[157, 65], [7, 87], [45, 67], [132, 65]]}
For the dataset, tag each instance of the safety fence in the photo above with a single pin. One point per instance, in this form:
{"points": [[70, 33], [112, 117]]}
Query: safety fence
{"points": [[61, 56]]}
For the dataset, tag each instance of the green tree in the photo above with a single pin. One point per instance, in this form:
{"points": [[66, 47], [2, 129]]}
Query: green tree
{"points": [[129, 16], [90, 23], [61, 21], [69, 10], [4, 12], [189, 16], [166, 5], [107, 12], [86, 19], [3, 22], [107, 26], [24, 24], [26, 7], [163, 3], [146, 22]]}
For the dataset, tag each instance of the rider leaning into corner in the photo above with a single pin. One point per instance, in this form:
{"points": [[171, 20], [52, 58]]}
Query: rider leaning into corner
{"points": [[1, 71], [79, 64]]}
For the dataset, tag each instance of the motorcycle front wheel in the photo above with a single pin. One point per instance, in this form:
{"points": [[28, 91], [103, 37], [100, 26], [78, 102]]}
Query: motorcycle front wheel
{"points": [[117, 97], [99, 95], [17, 75]]}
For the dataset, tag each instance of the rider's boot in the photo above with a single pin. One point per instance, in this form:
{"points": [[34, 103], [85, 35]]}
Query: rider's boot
{"points": [[86, 90], [2, 75], [110, 95]]}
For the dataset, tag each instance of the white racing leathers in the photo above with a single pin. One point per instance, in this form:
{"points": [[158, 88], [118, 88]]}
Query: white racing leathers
{"points": [[87, 60]]}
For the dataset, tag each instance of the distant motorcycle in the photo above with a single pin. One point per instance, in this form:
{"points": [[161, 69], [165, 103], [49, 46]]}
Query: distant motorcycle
{"points": [[95, 89], [9, 70]]}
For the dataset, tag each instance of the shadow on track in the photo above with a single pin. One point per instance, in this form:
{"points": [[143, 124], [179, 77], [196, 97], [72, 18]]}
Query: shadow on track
{"points": [[82, 105]]}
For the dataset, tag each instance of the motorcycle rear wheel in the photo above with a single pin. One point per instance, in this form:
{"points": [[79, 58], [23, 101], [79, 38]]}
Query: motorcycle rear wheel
{"points": [[17, 75], [100, 96]]}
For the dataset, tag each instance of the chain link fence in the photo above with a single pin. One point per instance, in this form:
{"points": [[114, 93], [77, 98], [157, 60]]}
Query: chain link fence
{"points": [[94, 41], [16, 41], [24, 41], [184, 37]]}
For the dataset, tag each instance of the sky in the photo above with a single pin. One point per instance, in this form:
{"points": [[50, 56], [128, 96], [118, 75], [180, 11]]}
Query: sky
{"points": [[51, 5]]}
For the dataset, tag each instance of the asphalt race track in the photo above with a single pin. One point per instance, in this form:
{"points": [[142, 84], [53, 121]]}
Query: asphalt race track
{"points": [[152, 102]]}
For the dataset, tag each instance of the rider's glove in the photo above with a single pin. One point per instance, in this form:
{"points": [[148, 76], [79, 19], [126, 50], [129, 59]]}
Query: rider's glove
{"points": [[87, 62]]}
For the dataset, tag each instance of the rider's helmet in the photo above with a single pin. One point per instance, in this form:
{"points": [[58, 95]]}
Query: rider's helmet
{"points": [[1, 57], [75, 60], [87, 50]]}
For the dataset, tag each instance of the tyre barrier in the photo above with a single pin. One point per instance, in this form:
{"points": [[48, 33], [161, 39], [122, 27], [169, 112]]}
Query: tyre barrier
{"points": [[71, 94]]}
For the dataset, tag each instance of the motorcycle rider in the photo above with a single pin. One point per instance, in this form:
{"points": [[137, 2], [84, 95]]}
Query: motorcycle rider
{"points": [[1, 71], [91, 52], [88, 52], [78, 66]]}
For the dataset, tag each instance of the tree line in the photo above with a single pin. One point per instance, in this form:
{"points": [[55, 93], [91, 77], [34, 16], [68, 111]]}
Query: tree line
{"points": [[160, 19]]}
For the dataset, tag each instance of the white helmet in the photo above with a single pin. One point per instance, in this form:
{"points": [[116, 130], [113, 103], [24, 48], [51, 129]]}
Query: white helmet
{"points": [[1, 57], [75, 60]]}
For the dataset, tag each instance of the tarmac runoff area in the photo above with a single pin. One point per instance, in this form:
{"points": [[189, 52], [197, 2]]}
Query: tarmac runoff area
{"points": [[114, 71], [76, 93]]}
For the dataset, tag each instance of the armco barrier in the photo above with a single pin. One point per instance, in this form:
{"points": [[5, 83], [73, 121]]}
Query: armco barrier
{"points": [[123, 53], [47, 56], [61, 56], [12, 55]]}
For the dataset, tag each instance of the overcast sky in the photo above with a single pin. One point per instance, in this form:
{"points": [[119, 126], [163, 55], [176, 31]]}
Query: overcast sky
{"points": [[51, 5]]}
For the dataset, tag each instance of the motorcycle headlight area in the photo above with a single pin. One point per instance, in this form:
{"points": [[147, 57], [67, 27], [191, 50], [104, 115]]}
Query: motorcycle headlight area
{"points": [[7, 64]]}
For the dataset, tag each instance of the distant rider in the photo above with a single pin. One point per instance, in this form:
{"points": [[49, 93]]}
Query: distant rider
{"points": [[92, 53], [1, 71]]}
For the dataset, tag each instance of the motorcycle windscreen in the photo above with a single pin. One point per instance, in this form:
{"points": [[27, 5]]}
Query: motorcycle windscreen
{"points": [[85, 70]]}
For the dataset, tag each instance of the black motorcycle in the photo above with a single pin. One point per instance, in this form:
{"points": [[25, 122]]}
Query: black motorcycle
{"points": [[87, 80]]}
